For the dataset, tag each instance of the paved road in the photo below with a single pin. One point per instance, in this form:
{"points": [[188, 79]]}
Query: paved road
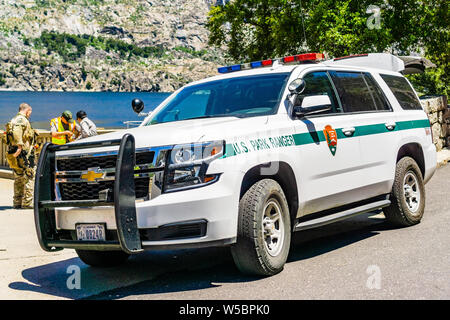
{"points": [[339, 261]]}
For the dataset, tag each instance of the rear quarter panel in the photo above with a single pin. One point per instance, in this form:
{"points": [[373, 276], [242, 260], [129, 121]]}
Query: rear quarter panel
{"points": [[412, 128]]}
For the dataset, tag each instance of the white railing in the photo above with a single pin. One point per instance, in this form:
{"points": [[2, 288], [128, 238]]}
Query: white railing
{"points": [[132, 123]]}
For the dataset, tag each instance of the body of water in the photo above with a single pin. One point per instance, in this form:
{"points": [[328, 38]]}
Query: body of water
{"points": [[106, 109]]}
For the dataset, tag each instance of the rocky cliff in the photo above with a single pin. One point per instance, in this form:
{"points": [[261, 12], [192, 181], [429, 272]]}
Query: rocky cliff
{"points": [[115, 45]]}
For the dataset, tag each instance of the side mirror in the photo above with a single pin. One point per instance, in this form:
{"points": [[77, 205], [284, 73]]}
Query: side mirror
{"points": [[312, 105], [297, 86], [137, 105]]}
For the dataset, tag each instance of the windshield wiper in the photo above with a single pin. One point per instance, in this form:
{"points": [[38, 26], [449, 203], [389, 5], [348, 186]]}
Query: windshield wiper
{"points": [[213, 116]]}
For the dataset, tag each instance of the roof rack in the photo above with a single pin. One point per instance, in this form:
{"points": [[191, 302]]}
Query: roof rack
{"points": [[386, 61]]}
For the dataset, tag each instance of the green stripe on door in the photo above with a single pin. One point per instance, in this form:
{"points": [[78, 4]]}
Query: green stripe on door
{"points": [[318, 136], [413, 124], [369, 129]]}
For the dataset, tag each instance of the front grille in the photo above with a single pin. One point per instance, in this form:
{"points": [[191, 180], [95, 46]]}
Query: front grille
{"points": [[80, 178], [104, 162], [90, 191], [73, 164]]}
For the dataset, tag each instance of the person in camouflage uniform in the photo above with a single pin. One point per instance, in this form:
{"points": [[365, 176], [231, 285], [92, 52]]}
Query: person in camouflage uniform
{"points": [[20, 157]]}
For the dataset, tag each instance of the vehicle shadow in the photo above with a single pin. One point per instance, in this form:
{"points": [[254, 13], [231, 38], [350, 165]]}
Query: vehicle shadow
{"points": [[185, 270], [58, 278]]}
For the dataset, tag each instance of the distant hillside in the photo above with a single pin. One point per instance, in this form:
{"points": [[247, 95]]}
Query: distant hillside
{"points": [[113, 45]]}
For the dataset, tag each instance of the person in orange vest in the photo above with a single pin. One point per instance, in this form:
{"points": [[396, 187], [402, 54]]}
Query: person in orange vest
{"points": [[63, 128]]}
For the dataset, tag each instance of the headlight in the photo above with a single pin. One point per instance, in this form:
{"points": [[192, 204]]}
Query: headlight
{"points": [[188, 165]]}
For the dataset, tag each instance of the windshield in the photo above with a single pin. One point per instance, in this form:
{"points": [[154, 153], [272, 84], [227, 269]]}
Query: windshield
{"points": [[234, 97]]}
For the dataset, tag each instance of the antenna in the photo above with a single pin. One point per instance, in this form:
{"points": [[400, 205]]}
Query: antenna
{"points": [[303, 22]]}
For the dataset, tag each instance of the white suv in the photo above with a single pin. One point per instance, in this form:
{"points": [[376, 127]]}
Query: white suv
{"points": [[243, 159]]}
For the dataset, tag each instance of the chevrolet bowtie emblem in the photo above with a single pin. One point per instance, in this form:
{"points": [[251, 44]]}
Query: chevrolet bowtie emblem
{"points": [[93, 174]]}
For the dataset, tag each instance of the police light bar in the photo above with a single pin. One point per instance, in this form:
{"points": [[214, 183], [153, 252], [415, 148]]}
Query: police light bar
{"points": [[304, 57], [299, 58]]}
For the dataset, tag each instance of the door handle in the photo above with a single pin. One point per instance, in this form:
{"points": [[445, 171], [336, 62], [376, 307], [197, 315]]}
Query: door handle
{"points": [[390, 125], [348, 131]]}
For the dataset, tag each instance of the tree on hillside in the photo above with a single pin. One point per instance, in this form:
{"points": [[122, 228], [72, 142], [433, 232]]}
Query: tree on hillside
{"points": [[258, 29]]}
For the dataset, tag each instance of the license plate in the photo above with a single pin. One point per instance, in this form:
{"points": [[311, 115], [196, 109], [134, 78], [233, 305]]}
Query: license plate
{"points": [[91, 232]]}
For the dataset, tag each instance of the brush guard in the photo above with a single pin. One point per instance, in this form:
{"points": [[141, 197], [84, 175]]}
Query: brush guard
{"points": [[124, 199]]}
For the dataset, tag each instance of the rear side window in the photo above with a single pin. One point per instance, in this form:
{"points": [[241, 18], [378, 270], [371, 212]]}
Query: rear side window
{"points": [[359, 92], [376, 93], [403, 92]]}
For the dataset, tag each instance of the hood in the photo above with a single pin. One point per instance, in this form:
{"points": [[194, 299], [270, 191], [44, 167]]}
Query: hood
{"points": [[181, 132]]}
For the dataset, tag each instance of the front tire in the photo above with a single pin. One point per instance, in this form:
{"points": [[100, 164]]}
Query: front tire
{"points": [[407, 196], [102, 258], [264, 230]]}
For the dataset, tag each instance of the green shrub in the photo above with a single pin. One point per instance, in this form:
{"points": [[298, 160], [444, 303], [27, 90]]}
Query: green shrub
{"points": [[96, 74], [43, 3], [71, 47], [190, 51], [83, 74]]}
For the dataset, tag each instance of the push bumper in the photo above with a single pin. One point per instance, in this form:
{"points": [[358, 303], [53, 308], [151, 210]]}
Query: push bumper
{"points": [[124, 204]]}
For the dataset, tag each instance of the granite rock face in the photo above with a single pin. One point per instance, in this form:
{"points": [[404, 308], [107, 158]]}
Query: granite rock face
{"points": [[178, 27]]}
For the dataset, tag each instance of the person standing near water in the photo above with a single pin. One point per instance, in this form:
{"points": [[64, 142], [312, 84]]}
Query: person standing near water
{"points": [[21, 141], [63, 128], [86, 126]]}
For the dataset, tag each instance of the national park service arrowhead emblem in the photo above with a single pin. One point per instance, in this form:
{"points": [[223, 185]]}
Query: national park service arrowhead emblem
{"points": [[331, 137]]}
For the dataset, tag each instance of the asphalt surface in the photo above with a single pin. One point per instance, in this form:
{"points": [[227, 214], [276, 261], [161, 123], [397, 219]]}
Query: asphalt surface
{"points": [[359, 258]]}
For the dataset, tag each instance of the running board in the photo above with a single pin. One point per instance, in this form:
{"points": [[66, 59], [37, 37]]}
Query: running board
{"points": [[314, 223]]}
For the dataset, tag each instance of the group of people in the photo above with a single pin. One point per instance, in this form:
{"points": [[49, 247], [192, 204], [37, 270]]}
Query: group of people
{"points": [[65, 129], [21, 140]]}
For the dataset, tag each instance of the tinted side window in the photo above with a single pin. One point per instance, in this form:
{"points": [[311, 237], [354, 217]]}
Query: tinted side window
{"points": [[353, 91], [403, 92], [378, 97], [318, 83]]}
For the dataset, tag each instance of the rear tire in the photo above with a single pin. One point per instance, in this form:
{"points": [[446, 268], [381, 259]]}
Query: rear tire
{"points": [[264, 230], [102, 258], [407, 196]]}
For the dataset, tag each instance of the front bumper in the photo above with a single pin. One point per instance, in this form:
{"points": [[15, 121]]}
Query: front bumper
{"points": [[127, 220], [215, 204]]}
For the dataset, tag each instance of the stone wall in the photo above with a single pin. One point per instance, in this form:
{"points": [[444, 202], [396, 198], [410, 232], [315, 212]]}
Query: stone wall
{"points": [[439, 115]]}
